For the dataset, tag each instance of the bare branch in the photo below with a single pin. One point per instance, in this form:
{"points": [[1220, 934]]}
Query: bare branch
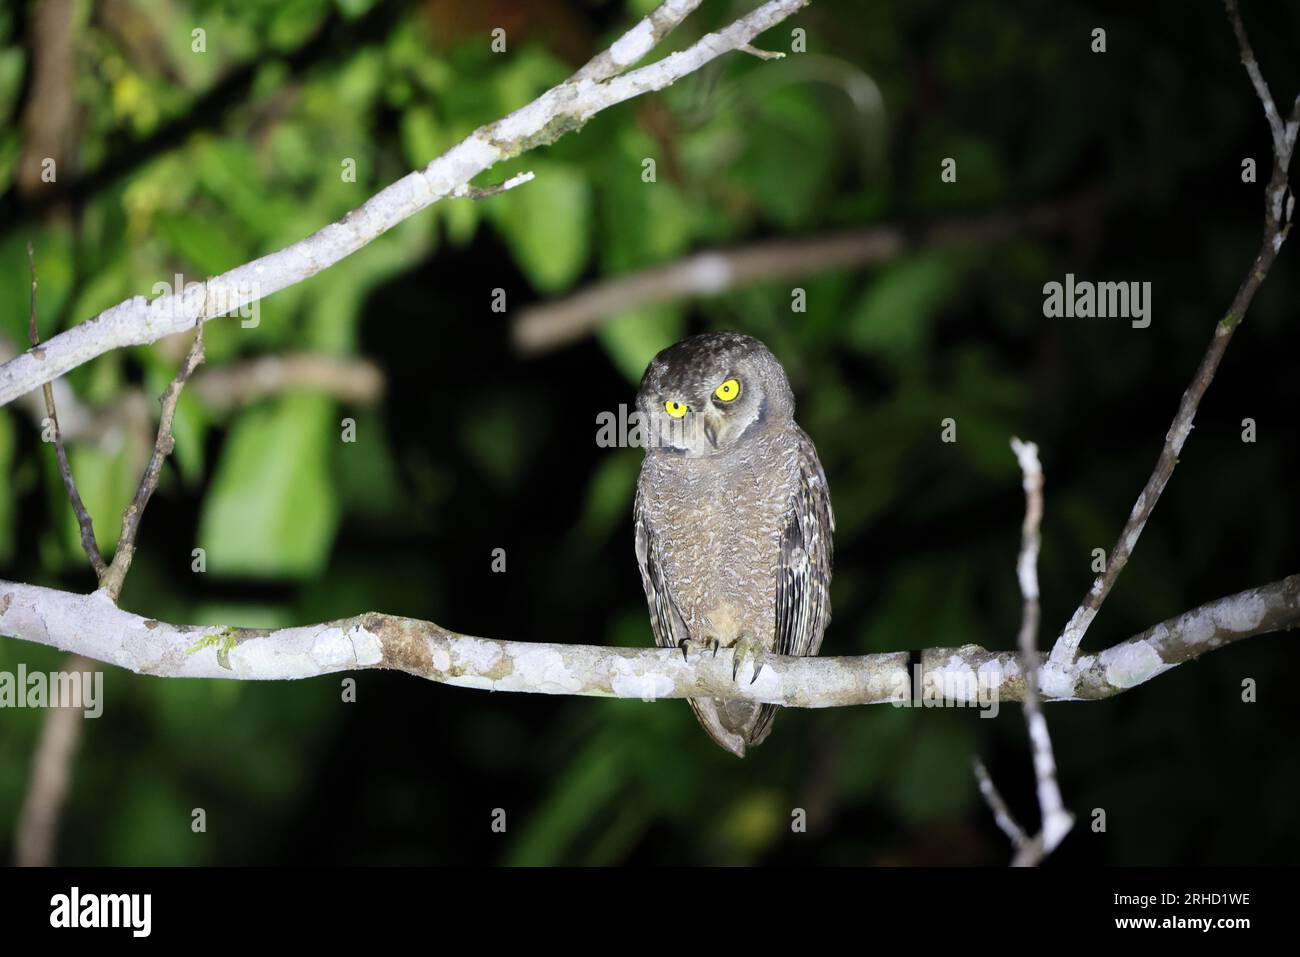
{"points": [[560, 110], [1056, 820], [1001, 813], [762, 54], [482, 192], [220, 388], [964, 676], [56, 750], [633, 45], [84, 522], [1276, 229], [1281, 147], [349, 380], [75, 418], [112, 579], [550, 325], [49, 118]]}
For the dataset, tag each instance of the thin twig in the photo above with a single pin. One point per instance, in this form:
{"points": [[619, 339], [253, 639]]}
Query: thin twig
{"points": [[1001, 813], [1257, 78], [111, 581], [762, 54], [1056, 821], [84, 521], [1276, 228], [482, 192]]}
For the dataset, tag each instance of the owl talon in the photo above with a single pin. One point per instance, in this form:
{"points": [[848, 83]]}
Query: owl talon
{"points": [[746, 650], [685, 646]]}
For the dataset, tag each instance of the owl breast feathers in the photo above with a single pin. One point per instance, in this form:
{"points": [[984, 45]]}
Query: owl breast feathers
{"points": [[733, 517]]}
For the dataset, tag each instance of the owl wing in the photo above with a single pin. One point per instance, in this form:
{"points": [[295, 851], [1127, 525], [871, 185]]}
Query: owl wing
{"points": [[665, 621], [803, 575]]}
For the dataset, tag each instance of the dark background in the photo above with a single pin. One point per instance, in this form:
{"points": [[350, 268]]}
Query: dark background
{"points": [[197, 164]]}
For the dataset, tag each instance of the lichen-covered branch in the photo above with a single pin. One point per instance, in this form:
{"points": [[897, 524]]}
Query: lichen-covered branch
{"points": [[560, 110], [95, 627]]}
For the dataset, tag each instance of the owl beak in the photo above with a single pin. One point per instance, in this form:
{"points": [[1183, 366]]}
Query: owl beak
{"points": [[711, 432]]}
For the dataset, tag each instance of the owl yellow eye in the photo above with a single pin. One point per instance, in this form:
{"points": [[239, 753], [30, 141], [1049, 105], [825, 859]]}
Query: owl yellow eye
{"points": [[674, 408], [728, 390]]}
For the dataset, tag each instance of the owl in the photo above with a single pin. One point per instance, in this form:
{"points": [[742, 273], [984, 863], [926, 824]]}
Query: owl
{"points": [[733, 518]]}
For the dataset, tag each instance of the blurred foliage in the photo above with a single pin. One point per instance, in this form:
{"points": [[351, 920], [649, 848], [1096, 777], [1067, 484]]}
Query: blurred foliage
{"points": [[184, 163]]}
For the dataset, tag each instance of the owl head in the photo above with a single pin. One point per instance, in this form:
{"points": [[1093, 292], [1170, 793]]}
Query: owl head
{"points": [[704, 394]]}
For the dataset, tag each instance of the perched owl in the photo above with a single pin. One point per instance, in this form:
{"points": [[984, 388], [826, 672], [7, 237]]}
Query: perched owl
{"points": [[733, 517]]}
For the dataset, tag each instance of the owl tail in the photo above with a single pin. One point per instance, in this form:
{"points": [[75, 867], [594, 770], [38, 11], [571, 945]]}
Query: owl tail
{"points": [[734, 725]]}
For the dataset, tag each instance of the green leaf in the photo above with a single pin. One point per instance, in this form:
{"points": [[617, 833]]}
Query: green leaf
{"points": [[293, 21], [206, 245], [422, 137], [53, 249], [633, 337], [499, 436], [934, 779], [334, 298], [609, 497], [790, 154], [583, 793], [273, 511], [641, 223], [229, 173], [895, 313], [546, 224]]}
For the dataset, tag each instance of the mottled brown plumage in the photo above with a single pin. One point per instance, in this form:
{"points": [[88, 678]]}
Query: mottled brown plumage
{"points": [[733, 516]]}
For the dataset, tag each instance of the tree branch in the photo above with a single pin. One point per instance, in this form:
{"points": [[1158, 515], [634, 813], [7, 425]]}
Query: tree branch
{"points": [[111, 581], [1056, 820], [38, 820], [84, 522], [94, 626], [1001, 813], [633, 45], [220, 388], [549, 325], [1276, 228], [561, 109]]}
